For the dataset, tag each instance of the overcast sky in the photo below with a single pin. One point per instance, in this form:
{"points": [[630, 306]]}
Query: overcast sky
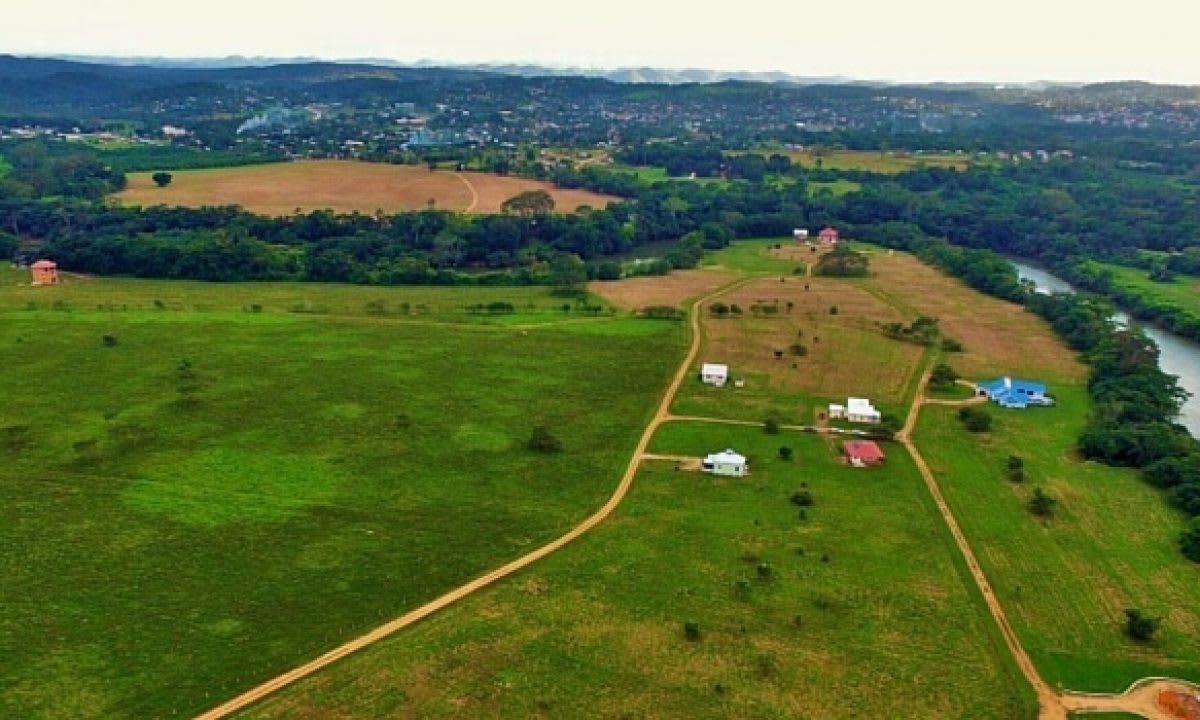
{"points": [[992, 40]]}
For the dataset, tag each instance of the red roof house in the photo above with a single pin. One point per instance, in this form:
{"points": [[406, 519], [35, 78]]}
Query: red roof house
{"points": [[863, 452], [45, 272], [829, 235]]}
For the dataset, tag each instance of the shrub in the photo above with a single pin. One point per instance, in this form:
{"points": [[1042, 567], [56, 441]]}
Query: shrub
{"points": [[798, 349], [833, 310], [975, 419], [1189, 541], [718, 309], [691, 630], [661, 312], [764, 570], [951, 345], [1139, 626], [1041, 504], [771, 425], [802, 498], [543, 441], [942, 376], [109, 340], [785, 453]]}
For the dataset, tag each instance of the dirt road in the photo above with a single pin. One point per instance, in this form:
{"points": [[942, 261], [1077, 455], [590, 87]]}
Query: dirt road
{"points": [[662, 414]]}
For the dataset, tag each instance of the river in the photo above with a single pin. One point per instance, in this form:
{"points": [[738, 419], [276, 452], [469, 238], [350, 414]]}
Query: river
{"points": [[1176, 355]]}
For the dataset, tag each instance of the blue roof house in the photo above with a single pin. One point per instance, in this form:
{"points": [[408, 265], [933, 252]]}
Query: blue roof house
{"points": [[1010, 392]]}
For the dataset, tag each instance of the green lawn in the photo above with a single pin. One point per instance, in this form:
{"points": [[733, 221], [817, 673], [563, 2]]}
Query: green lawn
{"points": [[751, 256], [837, 188], [172, 535], [1065, 582], [862, 610], [1183, 291]]}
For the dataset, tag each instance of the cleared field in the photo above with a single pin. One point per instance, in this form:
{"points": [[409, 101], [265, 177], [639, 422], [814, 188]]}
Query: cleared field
{"points": [[837, 188], [870, 160], [1001, 338], [344, 186], [1065, 582], [861, 613], [1182, 292], [174, 532], [673, 289], [846, 354]]}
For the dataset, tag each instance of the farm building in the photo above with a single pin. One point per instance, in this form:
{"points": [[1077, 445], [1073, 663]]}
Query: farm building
{"points": [[800, 234], [45, 272], [829, 235], [1013, 393], [714, 374], [861, 453], [725, 463], [859, 410]]}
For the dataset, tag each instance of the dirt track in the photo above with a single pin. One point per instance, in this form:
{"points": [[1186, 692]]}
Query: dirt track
{"points": [[661, 415]]}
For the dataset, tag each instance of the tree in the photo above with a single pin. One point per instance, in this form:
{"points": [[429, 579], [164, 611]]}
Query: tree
{"points": [[1139, 626], [1015, 462], [771, 425], [529, 203], [8, 245], [943, 376], [802, 498], [785, 453], [567, 273], [691, 630], [1041, 504], [975, 420], [843, 262], [543, 441], [1189, 541], [162, 179]]}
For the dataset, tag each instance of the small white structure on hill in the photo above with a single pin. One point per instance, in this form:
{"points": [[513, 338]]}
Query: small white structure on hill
{"points": [[800, 234], [714, 374], [726, 463], [859, 410]]}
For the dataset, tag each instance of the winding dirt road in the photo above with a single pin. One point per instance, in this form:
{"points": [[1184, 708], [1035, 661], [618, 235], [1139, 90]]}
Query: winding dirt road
{"points": [[474, 192], [661, 415]]}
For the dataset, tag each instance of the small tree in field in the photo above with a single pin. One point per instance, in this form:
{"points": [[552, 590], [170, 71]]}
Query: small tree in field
{"points": [[1041, 504], [771, 425], [691, 630], [1139, 626], [162, 179], [543, 441], [785, 453]]}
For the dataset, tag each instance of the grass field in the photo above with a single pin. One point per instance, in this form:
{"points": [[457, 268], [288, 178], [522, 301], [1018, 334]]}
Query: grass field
{"points": [[673, 289], [1066, 582], [1182, 292], [837, 188], [846, 354], [4, 166], [843, 626], [173, 533], [344, 186], [871, 160]]}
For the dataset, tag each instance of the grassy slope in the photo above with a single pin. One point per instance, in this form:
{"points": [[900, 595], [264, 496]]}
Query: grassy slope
{"points": [[596, 630], [1066, 582], [330, 473]]}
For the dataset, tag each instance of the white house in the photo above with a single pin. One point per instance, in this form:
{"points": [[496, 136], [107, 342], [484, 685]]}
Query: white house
{"points": [[714, 374], [726, 463], [858, 410], [861, 410], [800, 234]]}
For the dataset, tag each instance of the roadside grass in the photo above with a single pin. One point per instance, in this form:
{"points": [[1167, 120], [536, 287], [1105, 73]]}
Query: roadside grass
{"points": [[1065, 582], [172, 534], [861, 609]]}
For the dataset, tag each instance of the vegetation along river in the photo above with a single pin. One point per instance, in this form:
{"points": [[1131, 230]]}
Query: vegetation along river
{"points": [[1177, 356]]}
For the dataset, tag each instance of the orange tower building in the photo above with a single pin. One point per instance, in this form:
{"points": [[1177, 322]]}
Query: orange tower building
{"points": [[45, 272]]}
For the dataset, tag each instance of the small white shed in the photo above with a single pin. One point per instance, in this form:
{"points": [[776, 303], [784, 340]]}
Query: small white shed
{"points": [[714, 374], [726, 463], [837, 412]]}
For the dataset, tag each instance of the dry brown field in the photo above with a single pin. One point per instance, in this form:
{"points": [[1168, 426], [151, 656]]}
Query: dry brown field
{"points": [[673, 289], [344, 186]]}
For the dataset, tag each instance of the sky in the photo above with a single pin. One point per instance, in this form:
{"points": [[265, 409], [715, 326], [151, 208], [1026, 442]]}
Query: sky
{"points": [[916, 40]]}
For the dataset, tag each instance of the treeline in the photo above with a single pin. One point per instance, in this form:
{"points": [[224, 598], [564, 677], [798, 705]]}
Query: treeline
{"points": [[1132, 423], [1137, 302]]}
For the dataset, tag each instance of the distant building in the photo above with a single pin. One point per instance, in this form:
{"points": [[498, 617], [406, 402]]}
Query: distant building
{"points": [[714, 374], [859, 410], [861, 453], [1013, 393], [829, 235], [800, 234], [726, 463], [45, 272]]}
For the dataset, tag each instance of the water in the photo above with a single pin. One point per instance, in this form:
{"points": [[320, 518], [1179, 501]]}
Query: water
{"points": [[1176, 356]]}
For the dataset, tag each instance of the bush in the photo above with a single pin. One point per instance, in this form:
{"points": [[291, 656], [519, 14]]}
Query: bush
{"points": [[833, 310], [691, 631], [1139, 626], [798, 349], [764, 571], [943, 376], [543, 441], [951, 345], [771, 425], [785, 453], [661, 312], [718, 309], [1041, 504], [976, 420], [803, 498], [1015, 462], [109, 340]]}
